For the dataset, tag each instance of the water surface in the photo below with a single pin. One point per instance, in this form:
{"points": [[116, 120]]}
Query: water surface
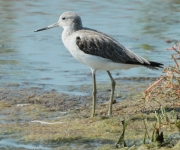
{"points": [[28, 58]]}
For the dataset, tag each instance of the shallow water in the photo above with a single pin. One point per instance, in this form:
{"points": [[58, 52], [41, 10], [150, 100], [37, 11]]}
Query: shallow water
{"points": [[10, 144], [28, 58]]}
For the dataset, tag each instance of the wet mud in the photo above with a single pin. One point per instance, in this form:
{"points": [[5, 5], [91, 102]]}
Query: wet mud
{"points": [[35, 118]]}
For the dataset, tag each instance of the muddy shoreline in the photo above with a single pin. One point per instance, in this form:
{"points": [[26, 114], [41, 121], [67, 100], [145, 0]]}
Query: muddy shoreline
{"points": [[35, 118]]}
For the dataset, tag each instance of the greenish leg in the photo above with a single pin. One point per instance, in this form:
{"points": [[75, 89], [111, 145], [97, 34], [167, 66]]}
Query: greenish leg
{"points": [[94, 94], [113, 84]]}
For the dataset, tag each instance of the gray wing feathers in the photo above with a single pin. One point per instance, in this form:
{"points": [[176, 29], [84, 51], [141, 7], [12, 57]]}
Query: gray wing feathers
{"points": [[99, 44], [138, 58]]}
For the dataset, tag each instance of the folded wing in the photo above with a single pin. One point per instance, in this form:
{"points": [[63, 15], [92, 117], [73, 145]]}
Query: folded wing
{"points": [[99, 44]]}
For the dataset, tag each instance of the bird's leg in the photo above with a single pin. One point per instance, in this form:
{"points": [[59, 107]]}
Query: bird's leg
{"points": [[113, 84], [94, 94]]}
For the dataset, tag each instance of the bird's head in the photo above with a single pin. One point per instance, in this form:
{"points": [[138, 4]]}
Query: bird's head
{"points": [[66, 20]]}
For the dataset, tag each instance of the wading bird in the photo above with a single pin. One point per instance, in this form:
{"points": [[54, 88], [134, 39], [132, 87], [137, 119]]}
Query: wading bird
{"points": [[97, 50]]}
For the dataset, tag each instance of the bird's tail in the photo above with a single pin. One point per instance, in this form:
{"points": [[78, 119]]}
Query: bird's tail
{"points": [[153, 65]]}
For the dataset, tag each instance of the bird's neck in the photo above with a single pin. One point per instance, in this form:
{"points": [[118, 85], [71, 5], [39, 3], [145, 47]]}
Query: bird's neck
{"points": [[69, 30], [66, 32]]}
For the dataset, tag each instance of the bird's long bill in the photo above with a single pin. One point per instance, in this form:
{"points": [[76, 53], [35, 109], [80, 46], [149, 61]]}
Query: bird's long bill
{"points": [[48, 27]]}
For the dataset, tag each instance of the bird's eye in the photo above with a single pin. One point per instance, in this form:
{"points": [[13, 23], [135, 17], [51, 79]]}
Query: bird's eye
{"points": [[63, 18]]}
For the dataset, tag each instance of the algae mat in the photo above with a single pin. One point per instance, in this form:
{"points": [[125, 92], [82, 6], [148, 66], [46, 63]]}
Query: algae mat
{"points": [[33, 118]]}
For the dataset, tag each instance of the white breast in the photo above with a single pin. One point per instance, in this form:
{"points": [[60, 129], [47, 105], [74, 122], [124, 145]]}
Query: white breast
{"points": [[70, 44]]}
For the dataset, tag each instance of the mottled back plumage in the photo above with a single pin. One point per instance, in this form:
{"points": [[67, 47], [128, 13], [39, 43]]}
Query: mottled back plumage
{"points": [[96, 43]]}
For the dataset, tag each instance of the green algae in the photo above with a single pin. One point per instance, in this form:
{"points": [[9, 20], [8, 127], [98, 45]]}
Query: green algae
{"points": [[58, 120]]}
